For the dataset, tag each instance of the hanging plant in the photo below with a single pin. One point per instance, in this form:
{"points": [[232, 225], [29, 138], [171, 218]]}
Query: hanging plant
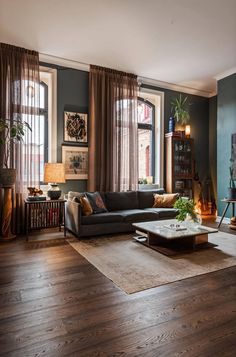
{"points": [[179, 109]]}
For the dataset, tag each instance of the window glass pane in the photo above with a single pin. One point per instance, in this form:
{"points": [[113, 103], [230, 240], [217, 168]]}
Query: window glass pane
{"points": [[144, 113], [42, 97], [145, 152]]}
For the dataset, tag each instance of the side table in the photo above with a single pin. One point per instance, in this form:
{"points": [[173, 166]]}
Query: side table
{"points": [[44, 214], [226, 208]]}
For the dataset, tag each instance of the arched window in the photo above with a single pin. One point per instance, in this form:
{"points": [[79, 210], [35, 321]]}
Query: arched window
{"points": [[146, 142]]}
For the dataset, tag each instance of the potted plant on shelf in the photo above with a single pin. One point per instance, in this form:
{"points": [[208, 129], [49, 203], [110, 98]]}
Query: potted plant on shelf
{"points": [[180, 112], [232, 185], [11, 132]]}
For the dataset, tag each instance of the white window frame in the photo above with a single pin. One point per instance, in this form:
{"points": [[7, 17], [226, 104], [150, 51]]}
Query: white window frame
{"points": [[49, 76], [157, 98]]}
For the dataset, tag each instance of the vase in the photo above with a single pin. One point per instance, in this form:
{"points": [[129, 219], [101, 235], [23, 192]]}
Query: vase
{"points": [[171, 124], [7, 177]]}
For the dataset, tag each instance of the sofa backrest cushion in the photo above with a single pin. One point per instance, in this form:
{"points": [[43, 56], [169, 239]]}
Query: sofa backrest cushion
{"points": [[72, 195], [146, 198], [116, 201], [96, 202]]}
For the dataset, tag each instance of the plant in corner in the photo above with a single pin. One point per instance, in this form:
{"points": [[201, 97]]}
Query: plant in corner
{"points": [[232, 185], [179, 108], [185, 207], [11, 132]]}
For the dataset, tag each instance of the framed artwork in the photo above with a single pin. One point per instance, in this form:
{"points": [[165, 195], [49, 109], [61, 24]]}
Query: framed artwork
{"points": [[233, 155], [76, 127], [75, 159]]}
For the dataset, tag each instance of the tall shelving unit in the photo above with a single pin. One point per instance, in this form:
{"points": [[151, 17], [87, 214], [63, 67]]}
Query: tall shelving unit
{"points": [[179, 165]]}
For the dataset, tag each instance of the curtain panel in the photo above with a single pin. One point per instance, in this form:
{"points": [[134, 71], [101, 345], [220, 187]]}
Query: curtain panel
{"points": [[113, 148], [20, 102]]}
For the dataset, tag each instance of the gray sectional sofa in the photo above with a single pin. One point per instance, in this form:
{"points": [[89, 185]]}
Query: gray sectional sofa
{"points": [[124, 208]]}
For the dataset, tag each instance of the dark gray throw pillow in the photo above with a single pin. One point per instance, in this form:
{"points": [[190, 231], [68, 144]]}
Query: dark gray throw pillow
{"points": [[96, 202]]}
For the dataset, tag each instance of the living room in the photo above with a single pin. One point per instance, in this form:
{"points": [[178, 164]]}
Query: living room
{"points": [[117, 178]]}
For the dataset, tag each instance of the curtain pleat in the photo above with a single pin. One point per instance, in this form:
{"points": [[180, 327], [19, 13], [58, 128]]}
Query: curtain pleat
{"points": [[19, 102], [113, 148]]}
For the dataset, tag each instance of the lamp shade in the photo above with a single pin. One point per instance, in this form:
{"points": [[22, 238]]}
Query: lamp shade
{"points": [[54, 173]]}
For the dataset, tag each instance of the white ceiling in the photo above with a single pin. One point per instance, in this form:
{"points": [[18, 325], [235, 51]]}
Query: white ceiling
{"points": [[185, 42]]}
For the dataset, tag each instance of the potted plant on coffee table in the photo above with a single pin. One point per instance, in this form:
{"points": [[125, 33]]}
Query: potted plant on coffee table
{"points": [[186, 209]]}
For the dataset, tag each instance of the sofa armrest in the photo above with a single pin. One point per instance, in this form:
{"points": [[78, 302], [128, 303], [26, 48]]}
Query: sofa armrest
{"points": [[73, 216]]}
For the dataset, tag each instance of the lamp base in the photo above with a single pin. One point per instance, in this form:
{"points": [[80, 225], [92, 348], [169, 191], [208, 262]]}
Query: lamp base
{"points": [[54, 193]]}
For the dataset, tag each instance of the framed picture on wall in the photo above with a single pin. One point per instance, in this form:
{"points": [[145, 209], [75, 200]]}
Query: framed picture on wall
{"points": [[75, 159], [75, 127]]}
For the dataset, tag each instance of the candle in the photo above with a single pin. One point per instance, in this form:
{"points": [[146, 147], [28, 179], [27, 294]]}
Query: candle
{"points": [[149, 180]]}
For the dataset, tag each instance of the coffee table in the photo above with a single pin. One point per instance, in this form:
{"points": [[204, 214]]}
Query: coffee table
{"points": [[159, 236]]}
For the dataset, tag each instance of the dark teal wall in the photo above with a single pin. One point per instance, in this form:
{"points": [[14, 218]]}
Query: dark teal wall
{"points": [[72, 95], [213, 143], [226, 125], [199, 121]]}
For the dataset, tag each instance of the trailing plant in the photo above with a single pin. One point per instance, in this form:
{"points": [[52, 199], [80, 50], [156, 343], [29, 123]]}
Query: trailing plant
{"points": [[11, 132], [185, 206], [231, 174], [180, 110]]}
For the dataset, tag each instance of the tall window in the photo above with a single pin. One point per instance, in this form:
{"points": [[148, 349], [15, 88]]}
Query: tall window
{"points": [[146, 143], [37, 147]]}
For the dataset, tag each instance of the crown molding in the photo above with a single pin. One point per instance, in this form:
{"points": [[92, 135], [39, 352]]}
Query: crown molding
{"points": [[59, 61], [175, 87], [225, 73]]}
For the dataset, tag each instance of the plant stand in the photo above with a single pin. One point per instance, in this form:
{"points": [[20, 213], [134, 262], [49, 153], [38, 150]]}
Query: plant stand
{"points": [[6, 214]]}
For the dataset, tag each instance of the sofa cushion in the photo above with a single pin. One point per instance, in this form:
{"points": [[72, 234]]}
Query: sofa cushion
{"points": [[86, 206], [107, 217], [73, 195], [138, 215], [146, 198], [166, 200], [96, 202], [163, 212], [121, 200]]}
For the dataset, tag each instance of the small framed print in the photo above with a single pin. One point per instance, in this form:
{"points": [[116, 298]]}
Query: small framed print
{"points": [[76, 162], [76, 127]]}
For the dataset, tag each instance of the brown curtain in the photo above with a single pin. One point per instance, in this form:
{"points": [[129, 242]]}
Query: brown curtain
{"points": [[113, 148], [19, 101]]}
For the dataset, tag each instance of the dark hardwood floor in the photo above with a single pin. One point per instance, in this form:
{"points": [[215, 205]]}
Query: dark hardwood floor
{"points": [[55, 303]]}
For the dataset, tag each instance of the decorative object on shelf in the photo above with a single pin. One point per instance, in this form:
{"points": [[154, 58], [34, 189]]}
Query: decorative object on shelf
{"points": [[187, 131], [76, 127], [171, 125], [179, 108], [54, 174], [33, 191], [11, 132], [76, 162], [232, 185], [186, 209], [149, 180], [233, 223]]}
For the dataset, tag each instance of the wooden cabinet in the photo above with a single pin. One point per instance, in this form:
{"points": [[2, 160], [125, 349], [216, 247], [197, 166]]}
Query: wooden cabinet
{"points": [[179, 165]]}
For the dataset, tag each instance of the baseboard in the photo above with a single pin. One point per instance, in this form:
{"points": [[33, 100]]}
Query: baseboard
{"points": [[225, 220]]}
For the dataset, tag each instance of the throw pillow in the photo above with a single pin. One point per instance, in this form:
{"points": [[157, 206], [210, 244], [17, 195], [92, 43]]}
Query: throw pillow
{"points": [[96, 202], [167, 200], [86, 206]]}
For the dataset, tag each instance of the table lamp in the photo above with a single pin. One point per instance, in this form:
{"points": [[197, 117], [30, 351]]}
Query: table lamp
{"points": [[54, 174]]}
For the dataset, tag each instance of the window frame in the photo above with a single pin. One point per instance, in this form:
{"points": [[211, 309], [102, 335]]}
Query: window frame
{"points": [[150, 127]]}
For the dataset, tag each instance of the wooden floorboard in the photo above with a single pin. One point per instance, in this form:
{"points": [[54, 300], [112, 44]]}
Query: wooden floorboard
{"points": [[55, 303]]}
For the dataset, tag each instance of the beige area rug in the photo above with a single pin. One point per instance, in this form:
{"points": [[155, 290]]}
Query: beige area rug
{"points": [[134, 267]]}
